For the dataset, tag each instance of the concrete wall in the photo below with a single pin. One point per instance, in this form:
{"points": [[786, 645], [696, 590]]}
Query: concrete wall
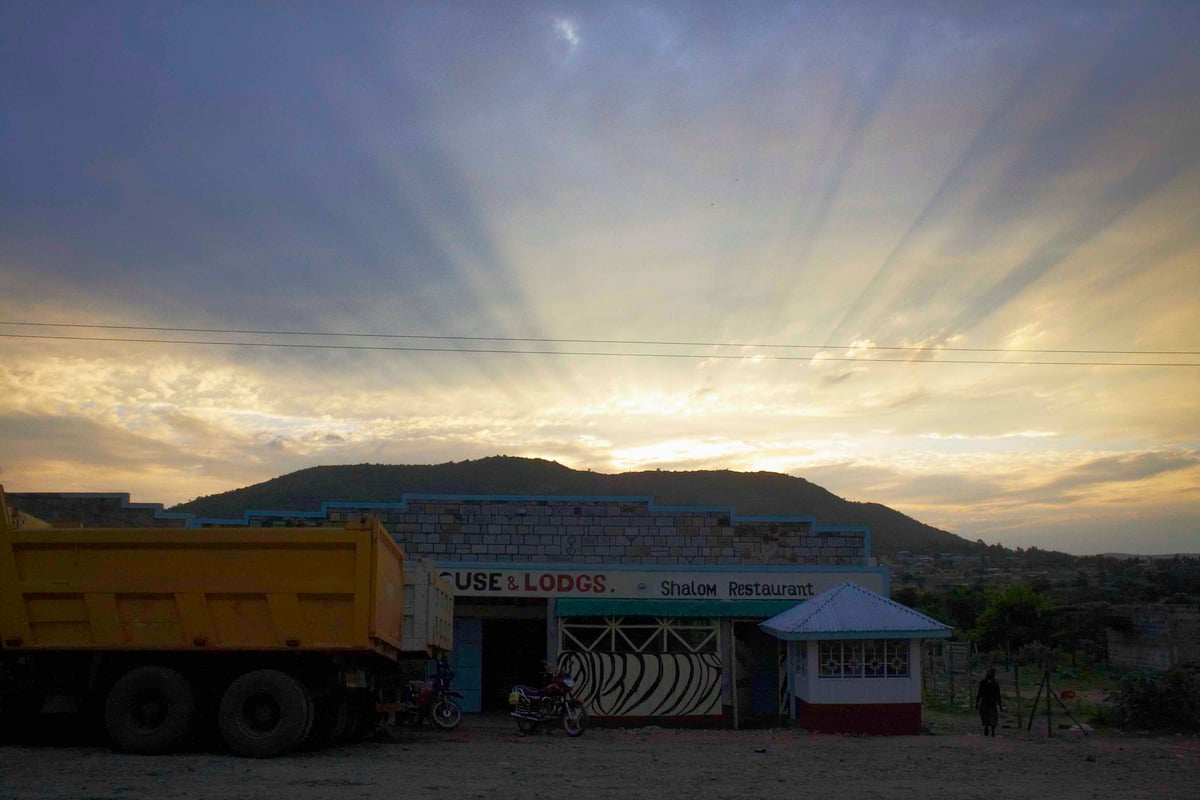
{"points": [[1159, 638]]}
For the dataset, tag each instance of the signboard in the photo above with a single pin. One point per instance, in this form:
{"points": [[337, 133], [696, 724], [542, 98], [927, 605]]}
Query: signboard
{"points": [[480, 580]]}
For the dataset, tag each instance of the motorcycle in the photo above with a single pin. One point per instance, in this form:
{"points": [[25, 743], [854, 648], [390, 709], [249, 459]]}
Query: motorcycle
{"points": [[436, 700], [552, 703]]}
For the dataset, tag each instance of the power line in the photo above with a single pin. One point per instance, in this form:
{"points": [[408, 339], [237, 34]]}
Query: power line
{"points": [[533, 340], [496, 351]]}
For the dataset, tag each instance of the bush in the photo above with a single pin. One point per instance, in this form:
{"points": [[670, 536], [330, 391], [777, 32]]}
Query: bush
{"points": [[1163, 700]]}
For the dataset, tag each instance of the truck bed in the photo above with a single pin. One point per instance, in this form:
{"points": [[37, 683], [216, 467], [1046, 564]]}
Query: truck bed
{"points": [[293, 589]]}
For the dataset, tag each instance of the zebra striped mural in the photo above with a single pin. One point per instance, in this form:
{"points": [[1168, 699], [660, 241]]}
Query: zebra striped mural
{"points": [[646, 684]]}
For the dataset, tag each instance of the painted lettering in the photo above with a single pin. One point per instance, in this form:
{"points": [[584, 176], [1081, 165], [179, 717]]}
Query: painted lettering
{"points": [[688, 589], [756, 589]]}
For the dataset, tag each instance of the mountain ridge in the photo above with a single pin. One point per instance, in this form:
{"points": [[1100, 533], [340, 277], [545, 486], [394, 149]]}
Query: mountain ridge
{"points": [[747, 493]]}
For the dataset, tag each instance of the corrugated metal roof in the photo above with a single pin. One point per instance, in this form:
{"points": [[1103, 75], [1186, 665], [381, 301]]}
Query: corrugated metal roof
{"points": [[848, 611]]}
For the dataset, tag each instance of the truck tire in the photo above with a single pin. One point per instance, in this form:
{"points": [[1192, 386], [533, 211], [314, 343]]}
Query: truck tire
{"points": [[149, 710], [264, 713]]}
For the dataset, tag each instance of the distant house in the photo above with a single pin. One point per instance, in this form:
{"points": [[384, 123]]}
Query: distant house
{"points": [[854, 661]]}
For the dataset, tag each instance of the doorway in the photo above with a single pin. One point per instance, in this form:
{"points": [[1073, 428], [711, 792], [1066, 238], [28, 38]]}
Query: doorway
{"points": [[514, 651], [756, 676]]}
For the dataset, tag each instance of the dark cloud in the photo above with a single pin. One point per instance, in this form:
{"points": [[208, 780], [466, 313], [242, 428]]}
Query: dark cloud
{"points": [[1113, 470]]}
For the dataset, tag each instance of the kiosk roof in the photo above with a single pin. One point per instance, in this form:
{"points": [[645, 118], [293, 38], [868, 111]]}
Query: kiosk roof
{"points": [[848, 611]]}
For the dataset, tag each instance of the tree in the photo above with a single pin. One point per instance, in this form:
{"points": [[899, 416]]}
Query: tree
{"points": [[964, 604], [1013, 617]]}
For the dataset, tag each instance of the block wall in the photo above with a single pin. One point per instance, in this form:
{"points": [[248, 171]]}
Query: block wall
{"points": [[604, 532]]}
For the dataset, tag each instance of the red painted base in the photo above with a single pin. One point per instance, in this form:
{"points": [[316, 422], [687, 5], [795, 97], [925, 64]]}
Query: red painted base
{"points": [[872, 719]]}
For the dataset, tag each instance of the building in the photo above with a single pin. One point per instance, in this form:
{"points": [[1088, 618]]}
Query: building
{"points": [[853, 662], [654, 609]]}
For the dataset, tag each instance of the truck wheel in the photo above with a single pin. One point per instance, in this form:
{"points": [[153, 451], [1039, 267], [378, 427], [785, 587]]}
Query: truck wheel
{"points": [[149, 710], [264, 713]]}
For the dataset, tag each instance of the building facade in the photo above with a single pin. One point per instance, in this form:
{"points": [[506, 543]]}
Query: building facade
{"points": [[654, 609]]}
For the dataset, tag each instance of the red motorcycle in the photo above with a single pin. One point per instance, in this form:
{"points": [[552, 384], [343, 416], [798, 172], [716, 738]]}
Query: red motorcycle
{"points": [[435, 700], [552, 703]]}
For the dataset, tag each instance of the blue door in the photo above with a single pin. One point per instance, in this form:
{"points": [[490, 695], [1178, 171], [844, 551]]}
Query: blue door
{"points": [[468, 663]]}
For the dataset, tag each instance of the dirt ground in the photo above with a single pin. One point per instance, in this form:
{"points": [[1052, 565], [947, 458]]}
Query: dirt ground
{"points": [[485, 758]]}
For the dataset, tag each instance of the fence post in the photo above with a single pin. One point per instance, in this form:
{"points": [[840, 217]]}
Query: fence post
{"points": [[950, 671], [1017, 681], [1049, 721]]}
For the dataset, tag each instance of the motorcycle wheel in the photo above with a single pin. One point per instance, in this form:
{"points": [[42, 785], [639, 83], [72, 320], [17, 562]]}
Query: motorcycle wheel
{"points": [[446, 714], [526, 726], [574, 720]]}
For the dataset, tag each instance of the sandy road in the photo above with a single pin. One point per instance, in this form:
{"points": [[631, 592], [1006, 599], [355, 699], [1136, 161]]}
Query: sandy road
{"points": [[486, 759]]}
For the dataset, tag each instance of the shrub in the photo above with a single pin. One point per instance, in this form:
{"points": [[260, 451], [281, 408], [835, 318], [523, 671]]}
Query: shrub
{"points": [[1163, 700]]}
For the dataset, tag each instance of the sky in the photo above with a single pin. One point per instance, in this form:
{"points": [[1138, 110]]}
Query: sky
{"points": [[939, 256]]}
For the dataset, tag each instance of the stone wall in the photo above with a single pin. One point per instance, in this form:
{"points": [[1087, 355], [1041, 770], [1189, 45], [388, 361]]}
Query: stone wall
{"points": [[94, 510], [604, 531]]}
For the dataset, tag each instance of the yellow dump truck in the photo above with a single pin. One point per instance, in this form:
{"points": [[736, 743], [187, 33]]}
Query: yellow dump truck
{"points": [[275, 637]]}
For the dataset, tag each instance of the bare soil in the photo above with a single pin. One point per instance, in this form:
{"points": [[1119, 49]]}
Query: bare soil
{"points": [[486, 758]]}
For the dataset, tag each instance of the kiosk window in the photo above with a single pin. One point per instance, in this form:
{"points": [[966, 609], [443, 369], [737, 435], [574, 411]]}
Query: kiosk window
{"points": [[869, 658]]}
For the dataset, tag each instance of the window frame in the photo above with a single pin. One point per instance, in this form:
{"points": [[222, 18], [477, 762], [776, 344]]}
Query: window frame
{"points": [[864, 659]]}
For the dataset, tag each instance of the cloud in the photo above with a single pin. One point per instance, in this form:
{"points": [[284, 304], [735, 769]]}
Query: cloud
{"points": [[1118, 469], [567, 31], [740, 179]]}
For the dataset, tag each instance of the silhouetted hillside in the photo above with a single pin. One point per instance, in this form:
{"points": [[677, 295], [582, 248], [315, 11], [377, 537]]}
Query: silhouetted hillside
{"points": [[748, 493]]}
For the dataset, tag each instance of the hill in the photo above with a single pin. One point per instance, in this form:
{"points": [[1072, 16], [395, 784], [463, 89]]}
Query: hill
{"points": [[748, 493]]}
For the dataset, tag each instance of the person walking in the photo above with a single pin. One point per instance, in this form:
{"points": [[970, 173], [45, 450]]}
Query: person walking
{"points": [[989, 703]]}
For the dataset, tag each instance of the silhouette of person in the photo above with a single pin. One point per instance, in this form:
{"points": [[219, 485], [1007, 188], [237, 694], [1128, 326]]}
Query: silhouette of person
{"points": [[989, 703]]}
